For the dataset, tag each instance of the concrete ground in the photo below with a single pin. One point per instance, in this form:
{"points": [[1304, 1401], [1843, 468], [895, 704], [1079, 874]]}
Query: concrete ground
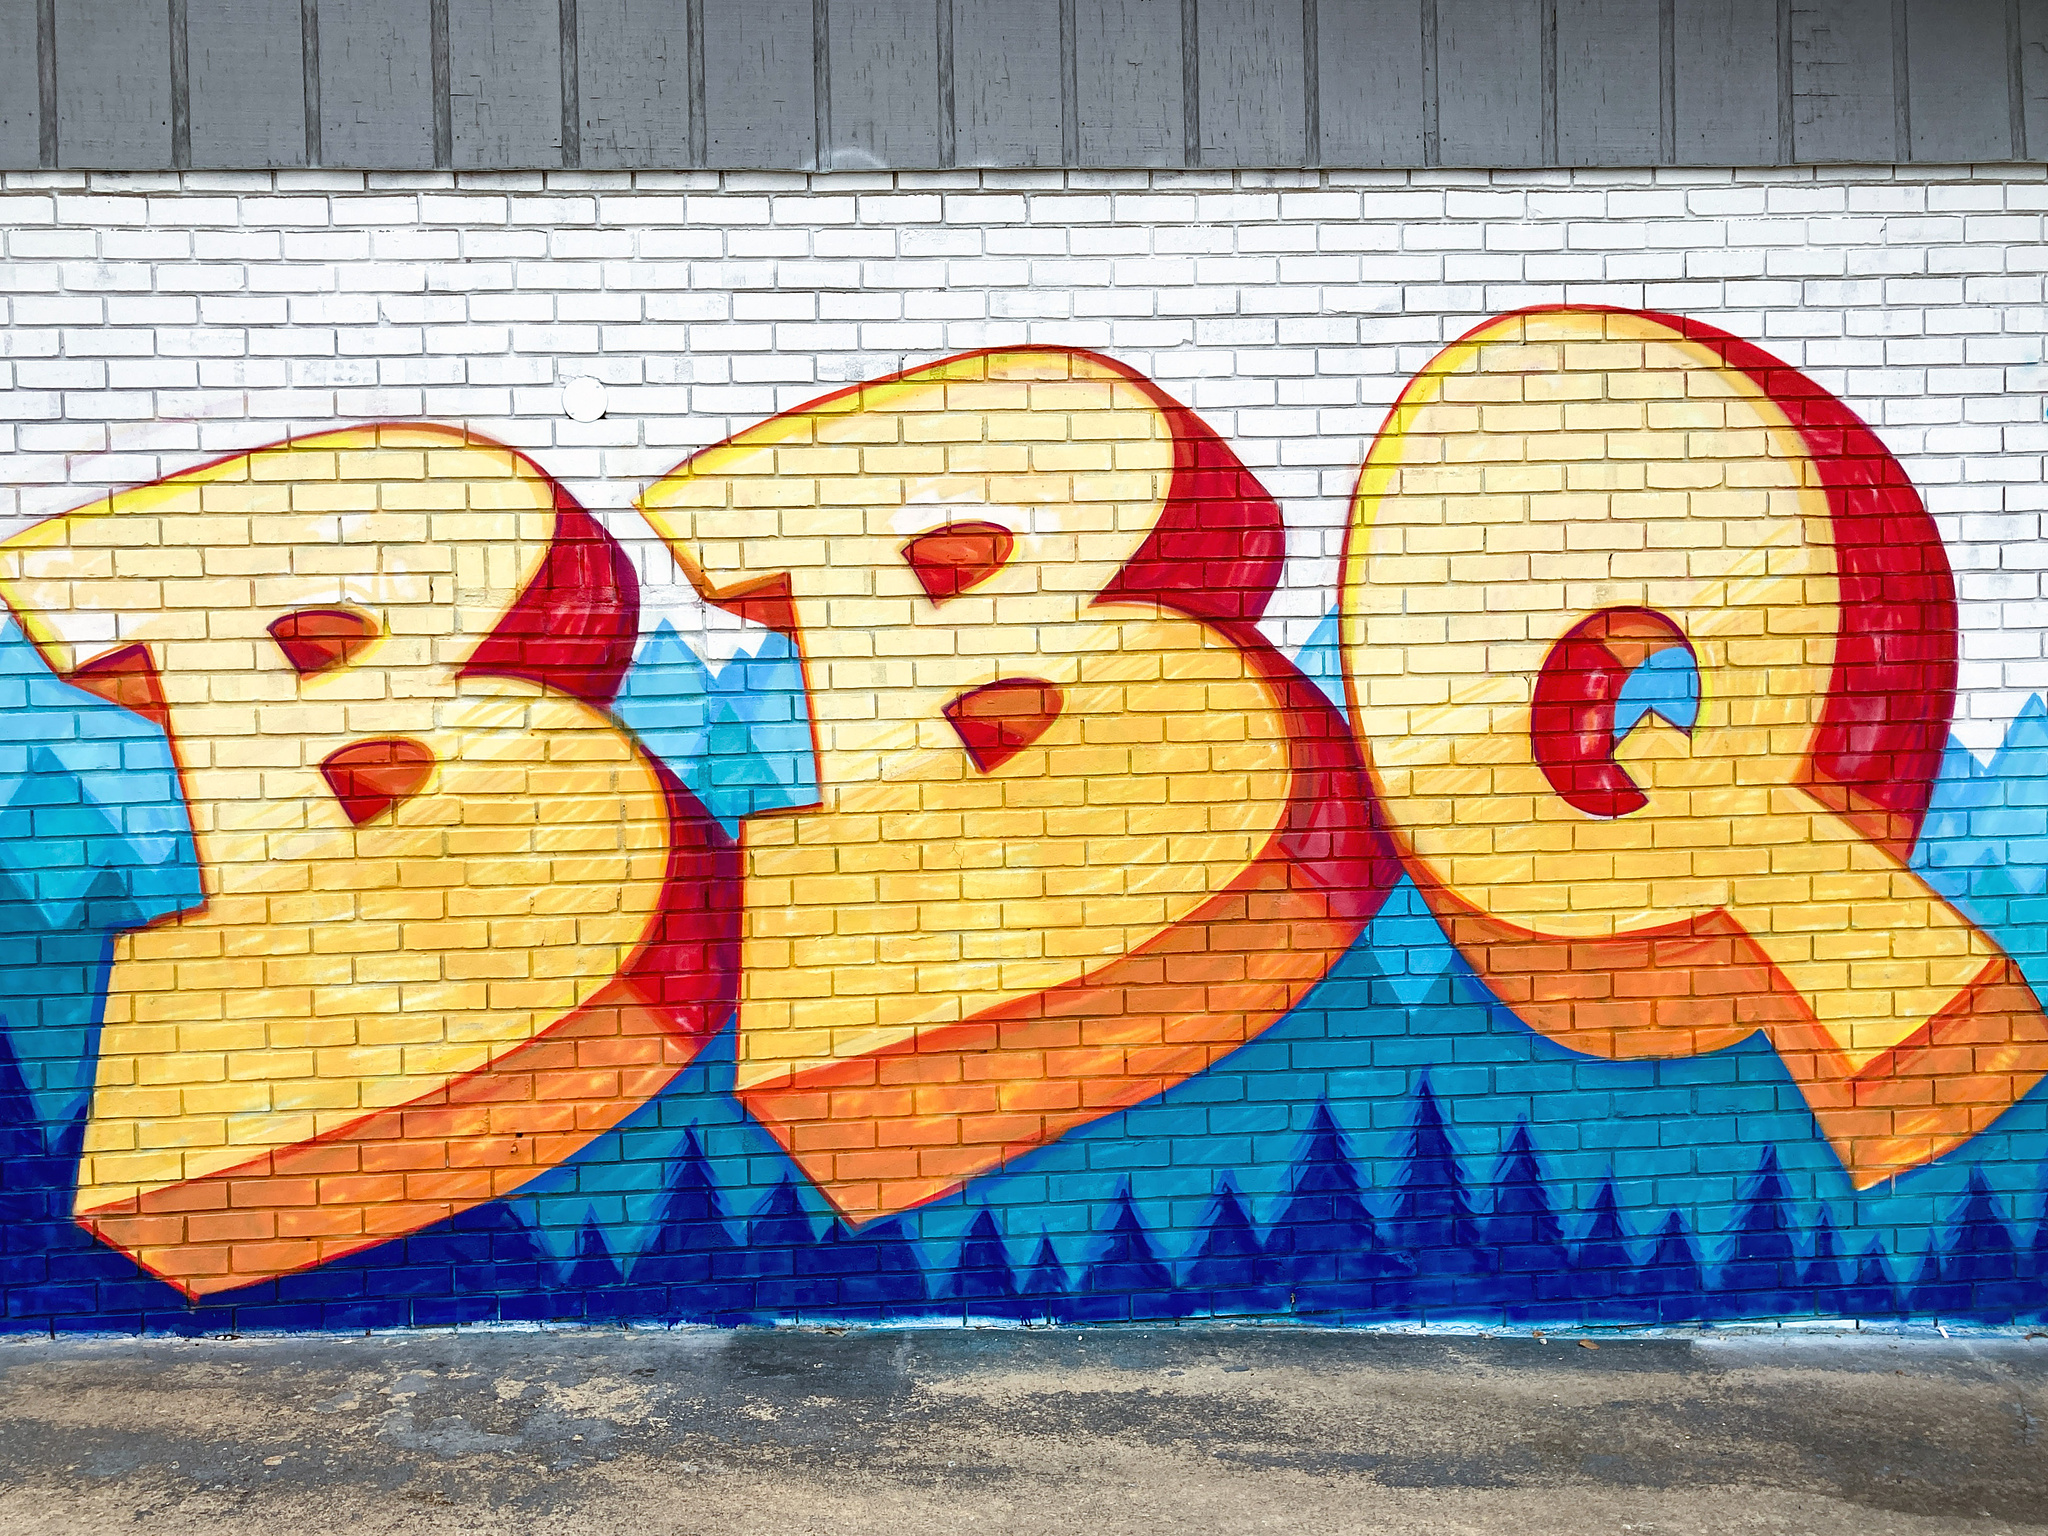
{"points": [[928, 1431]]}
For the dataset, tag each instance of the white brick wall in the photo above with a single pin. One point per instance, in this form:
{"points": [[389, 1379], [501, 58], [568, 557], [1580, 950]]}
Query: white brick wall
{"points": [[152, 322]]}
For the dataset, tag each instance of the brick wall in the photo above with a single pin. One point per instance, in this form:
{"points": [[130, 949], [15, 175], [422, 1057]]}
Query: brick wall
{"points": [[1400, 1141]]}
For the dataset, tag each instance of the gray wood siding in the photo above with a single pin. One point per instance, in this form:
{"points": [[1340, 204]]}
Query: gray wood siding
{"points": [[1252, 82], [1375, 80], [1490, 105], [248, 93], [1729, 79], [1609, 69], [113, 85], [21, 104], [1009, 82], [760, 80], [505, 83], [1130, 77], [634, 72], [376, 84], [929, 84]]}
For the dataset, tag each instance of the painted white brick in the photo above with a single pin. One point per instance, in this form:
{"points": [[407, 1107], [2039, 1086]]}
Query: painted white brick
{"points": [[1288, 308]]}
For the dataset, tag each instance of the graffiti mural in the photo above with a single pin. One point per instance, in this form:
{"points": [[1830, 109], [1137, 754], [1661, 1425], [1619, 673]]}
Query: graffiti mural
{"points": [[960, 906]]}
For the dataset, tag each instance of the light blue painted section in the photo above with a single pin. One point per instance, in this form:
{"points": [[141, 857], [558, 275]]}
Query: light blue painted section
{"points": [[1667, 685], [1678, 1134], [1401, 1005], [1321, 659], [738, 735], [1985, 842], [95, 838]]}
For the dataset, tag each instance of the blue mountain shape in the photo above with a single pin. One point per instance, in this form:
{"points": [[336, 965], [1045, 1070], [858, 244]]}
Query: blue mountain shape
{"points": [[738, 735], [1321, 659], [1409, 945], [1984, 844], [75, 767], [95, 838], [1667, 685]]}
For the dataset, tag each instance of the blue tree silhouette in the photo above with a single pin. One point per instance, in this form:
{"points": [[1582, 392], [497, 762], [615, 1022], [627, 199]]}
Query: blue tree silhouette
{"points": [[982, 1279], [692, 1259], [1982, 1264], [594, 1285], [1433, 1217], [1047, 1296], [1932, 1295], [874, 1273], [1125, 1280], [1874, 1293], [1670, 1282], [1325, 1249], [1229, 1271], [1761, 1276], [1822, 1278], [1602, 1266], [779, 1238], [2037, 1263], [1532, 1264]]}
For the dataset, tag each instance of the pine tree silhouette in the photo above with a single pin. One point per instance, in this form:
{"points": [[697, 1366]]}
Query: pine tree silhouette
{"points": [[53, 1274], [2037, 1264], [1983, 1262], [1433, 1215], [873, 1274], [1602, 1265], [50, 984], [1823, 1279], [778, 1236], [1325, 1249], [1670, 1282], [593, 1284], [982, 1279], [485, 1264], [1125, 1281], [1761, 1278], [692, 1258], [1047, 1296], [1229, 1271], [479, 1265], [1931, 1295], [1874, 1294], [1532, 1264], [23, 1150]]}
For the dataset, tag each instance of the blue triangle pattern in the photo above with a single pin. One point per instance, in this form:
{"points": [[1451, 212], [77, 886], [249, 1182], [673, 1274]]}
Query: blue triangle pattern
{"points": [[738, 735]]}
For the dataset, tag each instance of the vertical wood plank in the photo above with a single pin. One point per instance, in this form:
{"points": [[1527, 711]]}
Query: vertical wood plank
{"points": [[247, 59], [376, 85], [1251, 81], [885, 85], [633, 69], [1726, 82], [1608, 72], [1957, 65], [1489, 74], [1370, 64], [2034, 78], [114, 86], [505, 84], [21, 117], [1844, 103], [1129, 99], [1006, 82], [760, 105]]}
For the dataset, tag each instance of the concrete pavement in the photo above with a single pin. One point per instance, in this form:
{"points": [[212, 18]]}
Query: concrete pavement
{"points": [[1060, 1432]]}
